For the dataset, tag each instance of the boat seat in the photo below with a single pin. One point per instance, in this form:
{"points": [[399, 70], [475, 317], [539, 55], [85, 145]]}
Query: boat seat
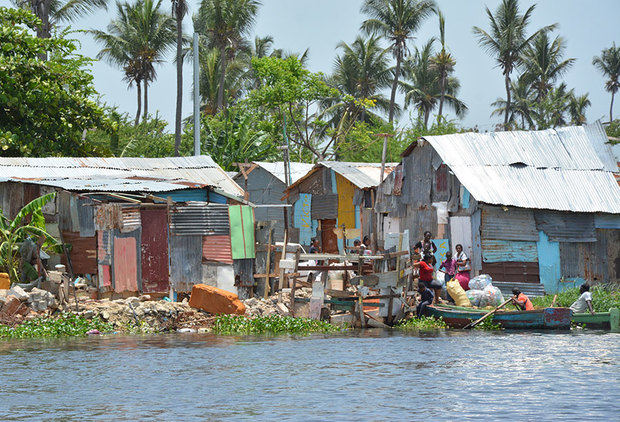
{"points": [[529, 289]]}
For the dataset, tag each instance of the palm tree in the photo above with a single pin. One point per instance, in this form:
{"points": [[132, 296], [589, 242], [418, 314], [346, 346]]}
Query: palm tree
{"points": [[210, 65], [507, 39], [577, 109], [443, 62], [54, 12], [520, 106], [609, 65], [361, 72], [137, 40], [179, 10], [396, 21], [554, 109], [423, 85], [542, 63], [224, 23]]}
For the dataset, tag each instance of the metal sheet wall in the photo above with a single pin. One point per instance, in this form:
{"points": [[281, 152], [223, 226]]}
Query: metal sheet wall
{"points": [[513, 250], [324, 206], [516, 272], [185, 261], [594, 262], [154, 250], [566, 226], [83, 253], [514, 224], [126, 264], [130, 218], [217, 248], [184, 195], [200, 219], [86, 216]]}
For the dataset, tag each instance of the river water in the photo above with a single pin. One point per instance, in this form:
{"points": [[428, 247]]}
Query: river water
{"points": [[371, 375]]}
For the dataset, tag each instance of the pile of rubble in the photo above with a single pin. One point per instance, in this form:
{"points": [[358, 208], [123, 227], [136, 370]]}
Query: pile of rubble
{"points": [[266, 307], [17, 305]]}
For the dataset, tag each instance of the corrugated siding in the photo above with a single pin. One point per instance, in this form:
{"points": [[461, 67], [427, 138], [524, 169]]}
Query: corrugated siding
{"points": [[185, 262], [83, 253], [504, 250], [565, 226], [154, 250], [607, 221], [517, 272], [130, 219], [200, 219], [346, 209], [86, 216], [125, 264], [324, 206], [184, 195], [514, 224], [592, 261], [244, 272], [217, 248]]}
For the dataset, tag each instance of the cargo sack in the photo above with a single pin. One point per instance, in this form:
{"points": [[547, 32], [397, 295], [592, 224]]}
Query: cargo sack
{"points": [[457, 293]]}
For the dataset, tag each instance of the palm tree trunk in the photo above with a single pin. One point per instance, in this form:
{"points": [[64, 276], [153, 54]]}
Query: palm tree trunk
{"points": [[427, 114], [139, 86], [399, 57], [611, 108], [507, 82], [220, 88], [146, 101], [177, 121], [42, 11], [443, 94]]}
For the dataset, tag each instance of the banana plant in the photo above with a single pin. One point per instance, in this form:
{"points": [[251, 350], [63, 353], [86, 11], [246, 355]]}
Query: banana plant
{"points": [[13, 232]]}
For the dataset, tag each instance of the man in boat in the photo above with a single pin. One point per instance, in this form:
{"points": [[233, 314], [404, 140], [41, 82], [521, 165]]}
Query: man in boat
{"points": [[426, 299], [521, 300], [584, 303]]}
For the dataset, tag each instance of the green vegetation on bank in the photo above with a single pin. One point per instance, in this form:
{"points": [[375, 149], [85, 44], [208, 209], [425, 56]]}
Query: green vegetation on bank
{"points": [[422, 324], [66, 325], [604, 297], [233, 324]]}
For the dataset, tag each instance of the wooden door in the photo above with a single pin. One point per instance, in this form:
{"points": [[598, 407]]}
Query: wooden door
{"points": [[154, 250], [329, 241]]}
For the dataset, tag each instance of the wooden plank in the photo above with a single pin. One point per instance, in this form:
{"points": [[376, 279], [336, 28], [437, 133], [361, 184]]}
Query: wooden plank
{"points": [[348, 257], [338, 293], [268, 265], [326, 267], [294, 286], [318, 296], [261, 275], [367, 280]]}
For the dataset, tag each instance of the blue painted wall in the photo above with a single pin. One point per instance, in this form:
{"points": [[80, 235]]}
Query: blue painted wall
{"points": [[301, 218], [184, 195], [549, 263], [216, 198], [465, 199]]}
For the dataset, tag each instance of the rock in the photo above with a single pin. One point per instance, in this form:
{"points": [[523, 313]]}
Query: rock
{"points": [[40, 300], [19, 293], [134, 301], [215, 301], [144, 298], [12, 307], [88, 314], [186, 330], [105, 315], [282, 309]]}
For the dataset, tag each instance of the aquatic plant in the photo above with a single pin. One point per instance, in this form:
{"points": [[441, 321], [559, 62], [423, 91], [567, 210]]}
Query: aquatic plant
{"points": [[423, 323], [488, 324], [234, 324], [604, 297], [65, 325]]}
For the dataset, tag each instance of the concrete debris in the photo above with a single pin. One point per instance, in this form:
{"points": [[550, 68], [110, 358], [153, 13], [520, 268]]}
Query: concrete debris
{"points": [[18, 292], [40, 300], [266, 307]]}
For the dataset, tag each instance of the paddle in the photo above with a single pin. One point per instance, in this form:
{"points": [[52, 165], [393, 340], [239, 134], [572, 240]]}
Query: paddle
{"points": [[478, 321]]}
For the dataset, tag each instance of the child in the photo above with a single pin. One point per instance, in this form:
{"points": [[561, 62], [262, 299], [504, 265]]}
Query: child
{"points": [[449, 265]]}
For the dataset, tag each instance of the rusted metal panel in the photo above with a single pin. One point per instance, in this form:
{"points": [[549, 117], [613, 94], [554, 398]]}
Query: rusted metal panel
{"points": [[154, 250], [329, 241], [86, 217], [185, 261], [217, 248], [509, 250], [105, 258], [125, 264], [108, 216], [594, 262], [200, 219], [130, 218], [244, 272], [83, 252], [509, 224], [324, 206], [566, 226], [520, 272], [31, 192]]}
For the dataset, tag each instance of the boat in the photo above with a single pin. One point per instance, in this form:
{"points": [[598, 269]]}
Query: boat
{"points": [[604, 320], [546, 318]]}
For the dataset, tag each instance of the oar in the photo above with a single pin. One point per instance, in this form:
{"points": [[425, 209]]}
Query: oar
{"points": [[473, 324]]}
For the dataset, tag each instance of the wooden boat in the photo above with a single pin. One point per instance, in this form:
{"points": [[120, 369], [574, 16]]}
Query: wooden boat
{"points": [[547, 318], [605, 320]]}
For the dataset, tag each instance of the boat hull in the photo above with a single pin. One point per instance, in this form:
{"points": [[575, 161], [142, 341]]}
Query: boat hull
{"points": [[605, 320], [547, 318]]}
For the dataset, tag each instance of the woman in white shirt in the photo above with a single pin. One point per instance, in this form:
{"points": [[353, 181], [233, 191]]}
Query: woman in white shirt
{"points": [[584, 303]]}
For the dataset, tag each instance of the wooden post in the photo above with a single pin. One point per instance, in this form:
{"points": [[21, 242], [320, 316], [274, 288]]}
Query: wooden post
{"points": [[385, 137], [294, 286], [318, 294], [268, 270]]}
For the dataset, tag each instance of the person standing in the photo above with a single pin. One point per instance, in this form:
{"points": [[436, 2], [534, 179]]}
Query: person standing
{"points": [[584, 302], [462, 268], [426, 244], [449, 265]]}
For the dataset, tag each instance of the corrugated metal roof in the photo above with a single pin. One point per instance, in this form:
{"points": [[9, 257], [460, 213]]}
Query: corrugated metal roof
{"points": [[567, 169], [298, 170], [126, 174], [362, 175]]}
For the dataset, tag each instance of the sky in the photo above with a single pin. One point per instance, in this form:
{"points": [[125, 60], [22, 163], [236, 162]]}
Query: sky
{"points": [[320, 25]]}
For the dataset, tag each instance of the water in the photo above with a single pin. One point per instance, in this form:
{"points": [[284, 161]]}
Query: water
{"points": [[372, 375]]}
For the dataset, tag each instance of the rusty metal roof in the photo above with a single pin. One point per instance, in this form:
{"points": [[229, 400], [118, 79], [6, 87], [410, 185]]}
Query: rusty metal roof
{"points": [[124, 174], [567, 169]]}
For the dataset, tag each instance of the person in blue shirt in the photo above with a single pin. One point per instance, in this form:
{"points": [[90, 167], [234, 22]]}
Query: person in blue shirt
{"points": [[426, 299]]}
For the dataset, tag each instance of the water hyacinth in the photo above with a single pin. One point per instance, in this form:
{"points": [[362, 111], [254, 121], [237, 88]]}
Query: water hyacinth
{"points": [[423, 323], [65, 325], [604, 297], [234, 324]]}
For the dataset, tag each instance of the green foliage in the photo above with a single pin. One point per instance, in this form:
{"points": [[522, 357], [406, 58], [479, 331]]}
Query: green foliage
{"points": [[46, 105], [362, 144], [604, 297], [66, 325], [422, 324], [489, 325], [29, 221], [613, 130], [233, 324]]}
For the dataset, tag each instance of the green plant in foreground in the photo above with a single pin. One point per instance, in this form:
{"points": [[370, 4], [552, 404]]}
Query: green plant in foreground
{"points": [[604, 297], [66, 325], [233, 324], [423, 323], [488, 324]]}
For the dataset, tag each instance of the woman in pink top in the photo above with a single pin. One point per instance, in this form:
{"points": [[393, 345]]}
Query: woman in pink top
{"points": [[462, 268]]}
